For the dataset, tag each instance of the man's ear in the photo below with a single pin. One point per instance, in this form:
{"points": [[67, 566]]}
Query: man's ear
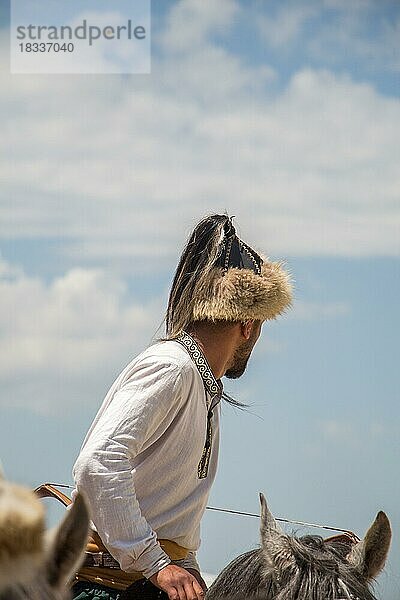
{"points": [[247, 328]]}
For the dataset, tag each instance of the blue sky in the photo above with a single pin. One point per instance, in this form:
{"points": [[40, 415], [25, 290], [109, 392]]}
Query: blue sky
{"points": [[285, 114]]}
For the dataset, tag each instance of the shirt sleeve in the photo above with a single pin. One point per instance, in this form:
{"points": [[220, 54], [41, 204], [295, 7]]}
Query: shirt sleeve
{"points": [[137, 416], [190, 562]]}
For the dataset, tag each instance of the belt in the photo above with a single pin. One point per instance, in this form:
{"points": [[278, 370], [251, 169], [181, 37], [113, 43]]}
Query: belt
{"points": [[100, 559], [99, 566], [97, 555]]}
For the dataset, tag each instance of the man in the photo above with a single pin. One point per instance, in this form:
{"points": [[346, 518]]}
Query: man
{"points": [[150, 457]]}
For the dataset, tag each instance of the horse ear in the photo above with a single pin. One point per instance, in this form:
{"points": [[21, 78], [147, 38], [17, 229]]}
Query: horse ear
{"points": [[22, 526], [369, 555], [66, 544], [268, 527]]}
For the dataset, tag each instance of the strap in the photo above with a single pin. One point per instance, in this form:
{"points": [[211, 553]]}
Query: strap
{"points": [[48, 490]]}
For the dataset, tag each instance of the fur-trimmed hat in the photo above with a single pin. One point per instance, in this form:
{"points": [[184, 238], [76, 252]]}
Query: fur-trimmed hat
{"points": [[220, 278]]}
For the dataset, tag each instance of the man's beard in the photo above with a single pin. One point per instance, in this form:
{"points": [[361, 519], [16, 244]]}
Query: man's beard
{"points": [[239, 361]]}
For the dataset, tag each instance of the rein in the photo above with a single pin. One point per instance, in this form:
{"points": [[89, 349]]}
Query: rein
{"points": [[353, 537], [283, 520]]}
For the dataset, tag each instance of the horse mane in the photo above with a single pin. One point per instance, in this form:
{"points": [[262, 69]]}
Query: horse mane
{"points": [[304, 568], [319, 570]]}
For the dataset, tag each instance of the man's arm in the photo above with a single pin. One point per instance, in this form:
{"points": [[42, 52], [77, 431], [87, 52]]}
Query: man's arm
{"points": [[140, 410]]}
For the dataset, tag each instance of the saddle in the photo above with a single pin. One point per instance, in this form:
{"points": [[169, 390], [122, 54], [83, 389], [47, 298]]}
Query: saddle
{"points": [[99, 566]]}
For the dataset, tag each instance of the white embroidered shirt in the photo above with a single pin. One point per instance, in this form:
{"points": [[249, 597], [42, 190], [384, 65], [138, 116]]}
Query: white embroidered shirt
{"points": [[139, 461]]}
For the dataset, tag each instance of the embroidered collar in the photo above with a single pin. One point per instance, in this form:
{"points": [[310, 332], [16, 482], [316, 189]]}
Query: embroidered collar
{"points": [[213, 389], [211, 385]]}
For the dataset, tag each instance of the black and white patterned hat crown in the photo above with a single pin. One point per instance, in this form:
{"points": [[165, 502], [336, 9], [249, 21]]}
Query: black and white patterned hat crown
{"points": [[235, 253]]}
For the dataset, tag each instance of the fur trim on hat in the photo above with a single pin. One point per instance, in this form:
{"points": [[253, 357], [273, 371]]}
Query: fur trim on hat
{"points": [[242, 294]]}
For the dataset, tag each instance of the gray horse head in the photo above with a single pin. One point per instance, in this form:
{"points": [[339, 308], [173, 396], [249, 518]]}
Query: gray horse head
{"points": [[34, 563], [306, 568]]}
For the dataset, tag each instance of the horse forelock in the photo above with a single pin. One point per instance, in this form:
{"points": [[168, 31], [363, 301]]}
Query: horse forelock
{"points": [[308, 568], [292, 568]]}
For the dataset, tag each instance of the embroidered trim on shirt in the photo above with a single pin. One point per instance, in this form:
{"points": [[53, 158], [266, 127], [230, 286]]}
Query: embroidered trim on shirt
{"points": [[212, 387]]}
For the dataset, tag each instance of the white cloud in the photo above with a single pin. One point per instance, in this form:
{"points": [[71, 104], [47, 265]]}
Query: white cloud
{"points": [[353, 6], [191, 22], [123, 167], [335, 32], [340, 431], [287, 24], [59, 338], [318, 310], [347, 38]]}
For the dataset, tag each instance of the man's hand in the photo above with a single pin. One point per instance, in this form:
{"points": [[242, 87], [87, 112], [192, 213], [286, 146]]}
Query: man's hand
{"points": [[178, 583]]}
